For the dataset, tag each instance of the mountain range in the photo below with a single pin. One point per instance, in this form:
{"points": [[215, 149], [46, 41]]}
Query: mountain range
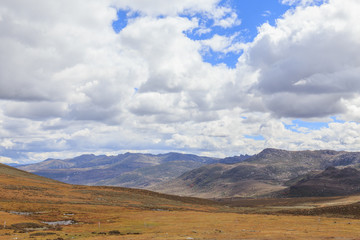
{"points": [[270, 173], [262, 175], [134, 170]]}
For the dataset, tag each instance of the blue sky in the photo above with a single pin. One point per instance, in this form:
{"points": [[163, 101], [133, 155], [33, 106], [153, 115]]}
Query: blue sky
{"points": [[209, 77], [251, 13]]}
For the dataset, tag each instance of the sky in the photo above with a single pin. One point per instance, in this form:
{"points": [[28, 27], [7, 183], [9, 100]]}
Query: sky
{"points": [[208, 77]]}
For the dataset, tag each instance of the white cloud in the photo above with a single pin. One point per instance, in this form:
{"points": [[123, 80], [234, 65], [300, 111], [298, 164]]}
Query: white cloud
{"points": [[225, 17], [165, 7], [37, 41], [309, 63], [223, 44], [266, 13], [7, 160], [302, 2], [166, 53], [69, 84], [7, 143], [35, 110]]}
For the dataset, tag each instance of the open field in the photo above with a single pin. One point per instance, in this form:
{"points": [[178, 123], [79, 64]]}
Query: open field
{"points": [[31, 206], [117, 223]]}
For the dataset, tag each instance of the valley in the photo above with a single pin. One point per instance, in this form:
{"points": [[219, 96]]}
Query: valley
{"points": [[31, 206], [270, 173]]}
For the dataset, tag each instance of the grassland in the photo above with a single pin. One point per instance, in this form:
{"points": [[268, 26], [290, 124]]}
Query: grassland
{"points": [[30, 206]]}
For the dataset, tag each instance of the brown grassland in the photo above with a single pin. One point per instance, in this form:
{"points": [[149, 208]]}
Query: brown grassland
{"points": [[28, 201]]}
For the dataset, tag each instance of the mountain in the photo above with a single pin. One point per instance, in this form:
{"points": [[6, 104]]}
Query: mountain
{"points": [[265, 173], [128, 170], [330, 182]]}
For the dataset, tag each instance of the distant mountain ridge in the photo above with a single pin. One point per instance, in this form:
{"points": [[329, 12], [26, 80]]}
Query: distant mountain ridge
{"points": [[265, 173], [127, 170]]}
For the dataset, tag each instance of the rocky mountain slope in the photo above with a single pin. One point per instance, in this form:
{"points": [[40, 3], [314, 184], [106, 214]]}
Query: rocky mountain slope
{"points": [[330, 182], [130, 169], [260, 175]]}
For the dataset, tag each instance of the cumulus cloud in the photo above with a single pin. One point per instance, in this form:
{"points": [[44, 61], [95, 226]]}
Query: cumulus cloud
{"points": [[37, 42], [309, 62], [168, 55]]}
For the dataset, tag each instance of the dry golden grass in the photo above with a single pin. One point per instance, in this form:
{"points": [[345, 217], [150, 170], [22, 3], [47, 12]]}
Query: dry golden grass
{"points": [[118, 213], [136, 224]]}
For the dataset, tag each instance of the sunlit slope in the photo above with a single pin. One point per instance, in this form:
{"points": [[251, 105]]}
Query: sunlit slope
{"points": [[7, 172]]}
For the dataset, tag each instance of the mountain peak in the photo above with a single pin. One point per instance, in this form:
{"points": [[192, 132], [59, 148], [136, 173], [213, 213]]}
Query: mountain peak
{"points": [[267, 151]]}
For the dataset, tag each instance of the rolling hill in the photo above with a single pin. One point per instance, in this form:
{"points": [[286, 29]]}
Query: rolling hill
{"points": [[265, 173]]}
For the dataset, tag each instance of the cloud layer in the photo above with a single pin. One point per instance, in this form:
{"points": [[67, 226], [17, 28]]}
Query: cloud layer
{"points": [[70, 84]]}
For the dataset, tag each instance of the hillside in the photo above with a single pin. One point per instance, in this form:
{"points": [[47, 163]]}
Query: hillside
{"points": [[260, 175], [7, 172], [330, 182], [128, 170]]}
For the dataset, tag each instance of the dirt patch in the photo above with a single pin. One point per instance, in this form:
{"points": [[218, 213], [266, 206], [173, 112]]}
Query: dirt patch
{"points": [[39, 234], [26, 226]]}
